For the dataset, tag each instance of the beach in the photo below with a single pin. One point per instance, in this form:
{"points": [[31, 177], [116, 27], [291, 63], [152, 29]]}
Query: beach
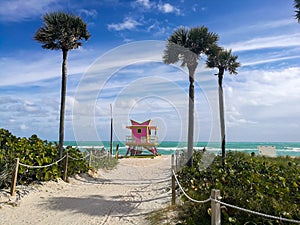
{"points": [[124, 195]]}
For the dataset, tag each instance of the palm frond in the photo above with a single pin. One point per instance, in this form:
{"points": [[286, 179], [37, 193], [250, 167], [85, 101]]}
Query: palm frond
{"points": [[297, 11], [187, 45], [221, 58], [62, 31], [201, 40]]}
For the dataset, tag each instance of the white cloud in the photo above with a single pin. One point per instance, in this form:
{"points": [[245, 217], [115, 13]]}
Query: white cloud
{"points": [[167, 8], [16, 10], [8, 99], [273, 24], [90, 13], [145, 3], [262, 101], [127, 24], [39, 66], [162, 7], [288, 40], [23, 127], [269, 60], [157, 28]]}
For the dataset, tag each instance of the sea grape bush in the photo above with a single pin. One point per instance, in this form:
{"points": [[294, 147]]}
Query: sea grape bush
{"points": [[267, 185], [35, 152], [80, 165]]}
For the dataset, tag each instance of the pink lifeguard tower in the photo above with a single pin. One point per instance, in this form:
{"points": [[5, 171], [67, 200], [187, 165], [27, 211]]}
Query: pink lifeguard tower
{"points": [[141, 138]]}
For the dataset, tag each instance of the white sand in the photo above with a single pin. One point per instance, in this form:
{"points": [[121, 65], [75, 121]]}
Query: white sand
{"points": [[124, 195]]}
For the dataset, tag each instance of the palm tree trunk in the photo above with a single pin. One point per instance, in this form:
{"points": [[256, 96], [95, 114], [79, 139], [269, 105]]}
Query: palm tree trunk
{"points": [[192, 69], [221, 110], [111, 131], [62, 103]]}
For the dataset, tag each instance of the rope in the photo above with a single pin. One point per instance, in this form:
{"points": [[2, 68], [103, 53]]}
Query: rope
{"points": [[233, 206], [78, 158], [256, 213], [100, 157], [186, 195], [38, 167]]}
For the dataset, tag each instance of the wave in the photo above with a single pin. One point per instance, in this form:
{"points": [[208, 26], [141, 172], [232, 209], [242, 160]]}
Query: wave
{"points": [[88, 147], [286, 149], [289, 149], [170, 148]]}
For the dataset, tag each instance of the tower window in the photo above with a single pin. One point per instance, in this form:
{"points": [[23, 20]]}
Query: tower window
{"points": [[139, 130]]}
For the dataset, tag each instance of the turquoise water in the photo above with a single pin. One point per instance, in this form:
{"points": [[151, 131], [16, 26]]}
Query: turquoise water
{"points": [[168, 148]]}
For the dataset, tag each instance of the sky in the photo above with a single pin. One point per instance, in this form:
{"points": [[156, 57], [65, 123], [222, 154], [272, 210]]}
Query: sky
{"points": [[120, 68]]}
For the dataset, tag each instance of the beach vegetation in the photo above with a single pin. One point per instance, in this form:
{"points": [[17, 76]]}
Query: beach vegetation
{"points": [[62, 31], [266, 185], [186, 46], [101, 160], [223, 60], [33, 151], [163, 216]]}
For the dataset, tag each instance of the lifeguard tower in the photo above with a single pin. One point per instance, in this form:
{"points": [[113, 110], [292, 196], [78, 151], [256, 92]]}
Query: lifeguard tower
{"points": [[141, 138]]}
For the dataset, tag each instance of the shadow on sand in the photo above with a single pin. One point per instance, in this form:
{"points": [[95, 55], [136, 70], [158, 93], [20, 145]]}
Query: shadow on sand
{"points": [[94, 205], [97, 205]]}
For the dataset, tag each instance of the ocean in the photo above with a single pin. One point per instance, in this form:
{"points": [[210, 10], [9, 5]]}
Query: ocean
{"points": [[170, 147]]}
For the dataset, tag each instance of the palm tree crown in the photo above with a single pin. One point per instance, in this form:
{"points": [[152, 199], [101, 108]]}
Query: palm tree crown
{"points": [[62, 31], [297, 11], [224, 60], [186, 45]]}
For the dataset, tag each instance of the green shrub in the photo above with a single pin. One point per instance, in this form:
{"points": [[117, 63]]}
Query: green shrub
{"points": [[34, 152], [267, 185], [77, 162]]}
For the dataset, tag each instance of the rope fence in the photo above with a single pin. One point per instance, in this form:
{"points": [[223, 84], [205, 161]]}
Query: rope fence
{"points": [[66, 157], [256, 213], [100, 157], [218, 202], [44, 166], [70, 157], [186, 195]]}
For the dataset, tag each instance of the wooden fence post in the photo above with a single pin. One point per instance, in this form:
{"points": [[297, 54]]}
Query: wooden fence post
{"points": [[173, 183], [215, 208], [90, 159], [177, 160], [117, 151], [14, 178], [65, 177]]}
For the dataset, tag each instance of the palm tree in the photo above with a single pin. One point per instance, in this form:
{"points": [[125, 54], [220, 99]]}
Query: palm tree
{"points": [[186, 46], [223, 60], [297, 7], [62, 31]]}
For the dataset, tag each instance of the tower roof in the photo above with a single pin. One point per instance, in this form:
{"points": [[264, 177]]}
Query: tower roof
{"points": [[146, 123]]}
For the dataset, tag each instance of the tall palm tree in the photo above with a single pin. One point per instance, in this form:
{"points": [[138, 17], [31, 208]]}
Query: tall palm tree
{"points": [[297, 11], [186, 46], [62, 31], [223, 60]]}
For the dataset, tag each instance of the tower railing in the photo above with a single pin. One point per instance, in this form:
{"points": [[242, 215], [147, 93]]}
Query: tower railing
{"points": [[150, 139]]}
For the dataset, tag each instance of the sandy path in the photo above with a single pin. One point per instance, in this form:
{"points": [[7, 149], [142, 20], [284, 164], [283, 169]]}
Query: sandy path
{"points": [[124, 195]]}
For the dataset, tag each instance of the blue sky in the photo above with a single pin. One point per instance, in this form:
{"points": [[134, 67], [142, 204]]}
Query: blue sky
{"points": [[121, 65]]}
